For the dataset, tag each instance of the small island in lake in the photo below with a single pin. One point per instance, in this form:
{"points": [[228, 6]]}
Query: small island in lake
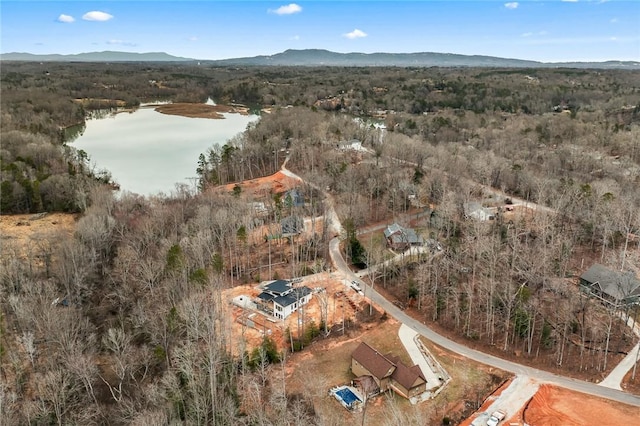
{"points": [[195, 110]]}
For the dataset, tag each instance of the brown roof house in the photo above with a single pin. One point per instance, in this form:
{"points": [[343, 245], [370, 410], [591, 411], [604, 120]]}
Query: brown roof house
{"points": [[388, 372]]}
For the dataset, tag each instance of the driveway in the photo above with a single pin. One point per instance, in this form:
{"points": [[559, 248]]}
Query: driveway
{"points": [[408, 338]]}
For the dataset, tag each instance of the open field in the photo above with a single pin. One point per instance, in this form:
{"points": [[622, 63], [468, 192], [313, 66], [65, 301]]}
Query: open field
{"points": [[23, 232]]}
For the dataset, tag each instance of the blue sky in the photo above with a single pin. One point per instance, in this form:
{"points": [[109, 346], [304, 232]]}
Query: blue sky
{"points": [[550, 31]]}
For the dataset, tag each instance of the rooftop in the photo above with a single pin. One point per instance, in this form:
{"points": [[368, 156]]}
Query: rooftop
{"points": [[618, 285], [292, 297], [376, 363], [278, 287]]}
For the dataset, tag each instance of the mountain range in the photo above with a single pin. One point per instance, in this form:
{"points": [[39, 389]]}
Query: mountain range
{"points": [[320, 57]]}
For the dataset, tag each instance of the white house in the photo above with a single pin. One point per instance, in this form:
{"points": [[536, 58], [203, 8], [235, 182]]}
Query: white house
{"points": [[475, 210], [281, 299]]}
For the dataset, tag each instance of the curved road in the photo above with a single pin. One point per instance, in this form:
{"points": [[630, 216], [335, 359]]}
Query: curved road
{"points": [[540, 375], [515, 368]]}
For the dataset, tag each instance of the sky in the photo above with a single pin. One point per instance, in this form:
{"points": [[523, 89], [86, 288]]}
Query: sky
{"points": [[548, 31]]}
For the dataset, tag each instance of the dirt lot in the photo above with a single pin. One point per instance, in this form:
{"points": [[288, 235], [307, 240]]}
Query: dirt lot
{"points": [[553, 406], [22, 233], [249, 326], [262, 187]]}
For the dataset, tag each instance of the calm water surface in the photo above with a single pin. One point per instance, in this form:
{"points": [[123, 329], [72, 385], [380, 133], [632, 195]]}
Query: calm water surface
{"points": [[148, 152]]}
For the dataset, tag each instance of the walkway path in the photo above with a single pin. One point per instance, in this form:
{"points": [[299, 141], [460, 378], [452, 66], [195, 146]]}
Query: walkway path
{"points": [[616, 376]]}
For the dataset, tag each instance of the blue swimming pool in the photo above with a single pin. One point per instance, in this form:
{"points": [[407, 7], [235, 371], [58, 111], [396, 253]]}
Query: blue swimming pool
{"points": [[347, 396]]}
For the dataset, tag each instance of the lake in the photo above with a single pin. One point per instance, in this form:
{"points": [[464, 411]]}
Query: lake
{"points": [[148, 152]]}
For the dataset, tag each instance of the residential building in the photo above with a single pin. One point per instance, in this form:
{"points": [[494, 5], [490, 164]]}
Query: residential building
{"points": [[388, 372], [292, 225], [475, 210], [399, 238], [615, 288], [280, 298]]}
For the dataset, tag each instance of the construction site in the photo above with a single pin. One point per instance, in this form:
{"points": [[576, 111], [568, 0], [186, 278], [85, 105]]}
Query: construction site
{"points": [[334, 307]]}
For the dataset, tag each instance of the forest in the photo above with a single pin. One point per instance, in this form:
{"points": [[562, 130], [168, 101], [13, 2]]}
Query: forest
{"points": [[141, 337]]}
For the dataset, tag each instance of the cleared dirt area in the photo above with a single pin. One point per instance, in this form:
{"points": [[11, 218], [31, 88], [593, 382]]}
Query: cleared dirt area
{"points": [[343, 305], [551, 406], [23, 232], [276, 183], [199, 110], [554, 406]]}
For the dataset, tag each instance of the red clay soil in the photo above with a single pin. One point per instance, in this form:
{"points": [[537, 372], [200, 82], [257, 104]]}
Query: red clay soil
{"points": [[554, 406]]}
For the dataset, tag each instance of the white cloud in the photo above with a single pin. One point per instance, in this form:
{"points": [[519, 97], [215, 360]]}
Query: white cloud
{"points": [[288, 9], [511, 5], [67, 19], [613, 20], [120, 42], [570, 1], [529, 34], [355, 34], [96, 15], [295, 37], [193, 38]]}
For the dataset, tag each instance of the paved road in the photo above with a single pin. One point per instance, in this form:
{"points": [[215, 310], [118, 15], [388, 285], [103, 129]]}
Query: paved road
{"points": [[518, 369]]}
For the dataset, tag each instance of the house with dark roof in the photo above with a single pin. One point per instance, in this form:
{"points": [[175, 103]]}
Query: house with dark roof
{"points": [[388, 372], [399, 238], [291, 225], [615, 288], [280, 298], [293, 198]]}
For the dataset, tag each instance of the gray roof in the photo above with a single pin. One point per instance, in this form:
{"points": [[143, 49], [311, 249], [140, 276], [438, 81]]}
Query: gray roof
{"points": [[290, 298], [278, 287], [292, 225], [266, 296], [295, 197], [392, 229], [617, 285], [398, 234]]}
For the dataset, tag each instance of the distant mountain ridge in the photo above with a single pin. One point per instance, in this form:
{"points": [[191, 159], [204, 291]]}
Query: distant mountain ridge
{"points": [[106, 56], [321, 57]]}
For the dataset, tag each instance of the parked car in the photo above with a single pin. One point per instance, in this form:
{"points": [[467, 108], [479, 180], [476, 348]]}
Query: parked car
{"points": [[496, 417], [355, 286]]}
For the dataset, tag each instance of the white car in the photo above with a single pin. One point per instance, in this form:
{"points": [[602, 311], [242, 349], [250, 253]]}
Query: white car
{"points": [[355, 286], [496, 417]]}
